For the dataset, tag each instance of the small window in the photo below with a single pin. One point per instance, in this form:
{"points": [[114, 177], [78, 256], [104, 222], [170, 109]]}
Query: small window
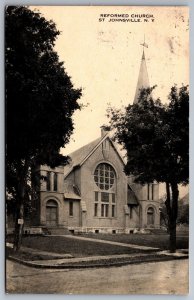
{"points": [[71, 208], [131, 212], [55, 182], [48, 181], [113, 198], [105, 197], [96, 196], [104, 210], [95, 209], [113, 211], [150, 193]]}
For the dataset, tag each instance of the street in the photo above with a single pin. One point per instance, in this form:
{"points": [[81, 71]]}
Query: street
{"points": [[169, 277]]}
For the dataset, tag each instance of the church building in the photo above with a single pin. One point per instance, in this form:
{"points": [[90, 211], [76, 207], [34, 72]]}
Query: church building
{"points": [[93, 194]]}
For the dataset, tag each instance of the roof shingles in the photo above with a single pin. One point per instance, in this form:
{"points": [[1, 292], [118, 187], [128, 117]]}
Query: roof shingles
{"points": [[79, 155]]}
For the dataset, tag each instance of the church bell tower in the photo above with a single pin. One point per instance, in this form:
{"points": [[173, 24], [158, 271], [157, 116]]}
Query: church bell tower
{"points": [[143, 79]]}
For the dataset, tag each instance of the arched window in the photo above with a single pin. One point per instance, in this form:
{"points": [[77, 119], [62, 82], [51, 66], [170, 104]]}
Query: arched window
{"points": [[104, 176], [51, 213], [105, 200], [150, 216]]}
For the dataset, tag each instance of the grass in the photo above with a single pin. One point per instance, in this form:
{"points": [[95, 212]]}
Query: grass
{"points": [[27, 255], [77, 248], [152, 240], [81, 248]]}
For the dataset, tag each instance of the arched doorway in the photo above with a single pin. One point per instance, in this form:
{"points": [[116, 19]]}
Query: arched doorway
{"points": [[150, 216], [51, 213]]}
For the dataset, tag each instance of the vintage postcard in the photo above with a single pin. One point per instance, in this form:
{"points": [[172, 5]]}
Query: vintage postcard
{"points": [[97, 149]]}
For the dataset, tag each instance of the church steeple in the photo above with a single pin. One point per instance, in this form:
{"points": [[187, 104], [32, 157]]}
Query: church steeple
{"points": [[143, 80]]}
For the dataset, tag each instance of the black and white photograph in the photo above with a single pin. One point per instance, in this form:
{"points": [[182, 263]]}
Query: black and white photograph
{"points": [[97, 150]]}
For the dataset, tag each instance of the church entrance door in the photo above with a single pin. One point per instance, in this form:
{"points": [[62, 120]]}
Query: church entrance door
{"points": [[150, 216], [51, 213]]}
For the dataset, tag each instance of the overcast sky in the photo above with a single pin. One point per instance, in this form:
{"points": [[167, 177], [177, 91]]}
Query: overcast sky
{"points": [[103, 58]]}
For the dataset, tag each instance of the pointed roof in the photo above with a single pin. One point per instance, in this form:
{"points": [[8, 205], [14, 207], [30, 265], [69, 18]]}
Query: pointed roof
{"points": [[79, 156], [71, 191], [131, 197], [143, 80]]}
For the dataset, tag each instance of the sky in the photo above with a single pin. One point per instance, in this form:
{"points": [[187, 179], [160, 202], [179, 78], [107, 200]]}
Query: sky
{"points": [[102, 56]]}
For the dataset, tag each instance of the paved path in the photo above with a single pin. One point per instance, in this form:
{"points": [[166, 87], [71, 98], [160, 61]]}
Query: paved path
{"points": [[104, 259], [86, 259], [109, 242]]}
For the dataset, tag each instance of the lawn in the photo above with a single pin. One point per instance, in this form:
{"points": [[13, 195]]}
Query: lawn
{"points": [[152, 240], [77, 248], [81, 248]]}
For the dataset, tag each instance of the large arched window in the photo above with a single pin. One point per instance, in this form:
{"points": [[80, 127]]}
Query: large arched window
{"points": [[150, 216], [105, 203], [104, 176], [51, 213]]}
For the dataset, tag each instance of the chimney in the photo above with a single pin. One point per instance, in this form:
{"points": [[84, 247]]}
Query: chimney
{"points": [[104, 130]]}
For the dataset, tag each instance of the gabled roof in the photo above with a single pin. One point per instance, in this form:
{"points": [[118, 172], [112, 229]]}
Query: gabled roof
{"points": [[79, 156]]}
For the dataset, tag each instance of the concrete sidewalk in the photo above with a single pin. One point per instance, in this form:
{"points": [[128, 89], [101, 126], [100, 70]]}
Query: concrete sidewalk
{"points": [[103, 261], [87, 259]]}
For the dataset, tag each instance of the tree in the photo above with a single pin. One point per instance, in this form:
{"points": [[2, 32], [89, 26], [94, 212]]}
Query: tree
{"points": [[156, 140], [183, 213], [40, 102], [163, 214], [183, 216]]}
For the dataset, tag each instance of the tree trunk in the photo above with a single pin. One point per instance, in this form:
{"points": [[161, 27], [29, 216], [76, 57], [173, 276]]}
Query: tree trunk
{"points": [[172, 211], [19, 227], [19, 222], [167, 203], [172, 232]]}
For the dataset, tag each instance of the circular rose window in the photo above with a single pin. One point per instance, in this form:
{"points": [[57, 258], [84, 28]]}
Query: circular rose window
{"points": [[104, 176]]}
